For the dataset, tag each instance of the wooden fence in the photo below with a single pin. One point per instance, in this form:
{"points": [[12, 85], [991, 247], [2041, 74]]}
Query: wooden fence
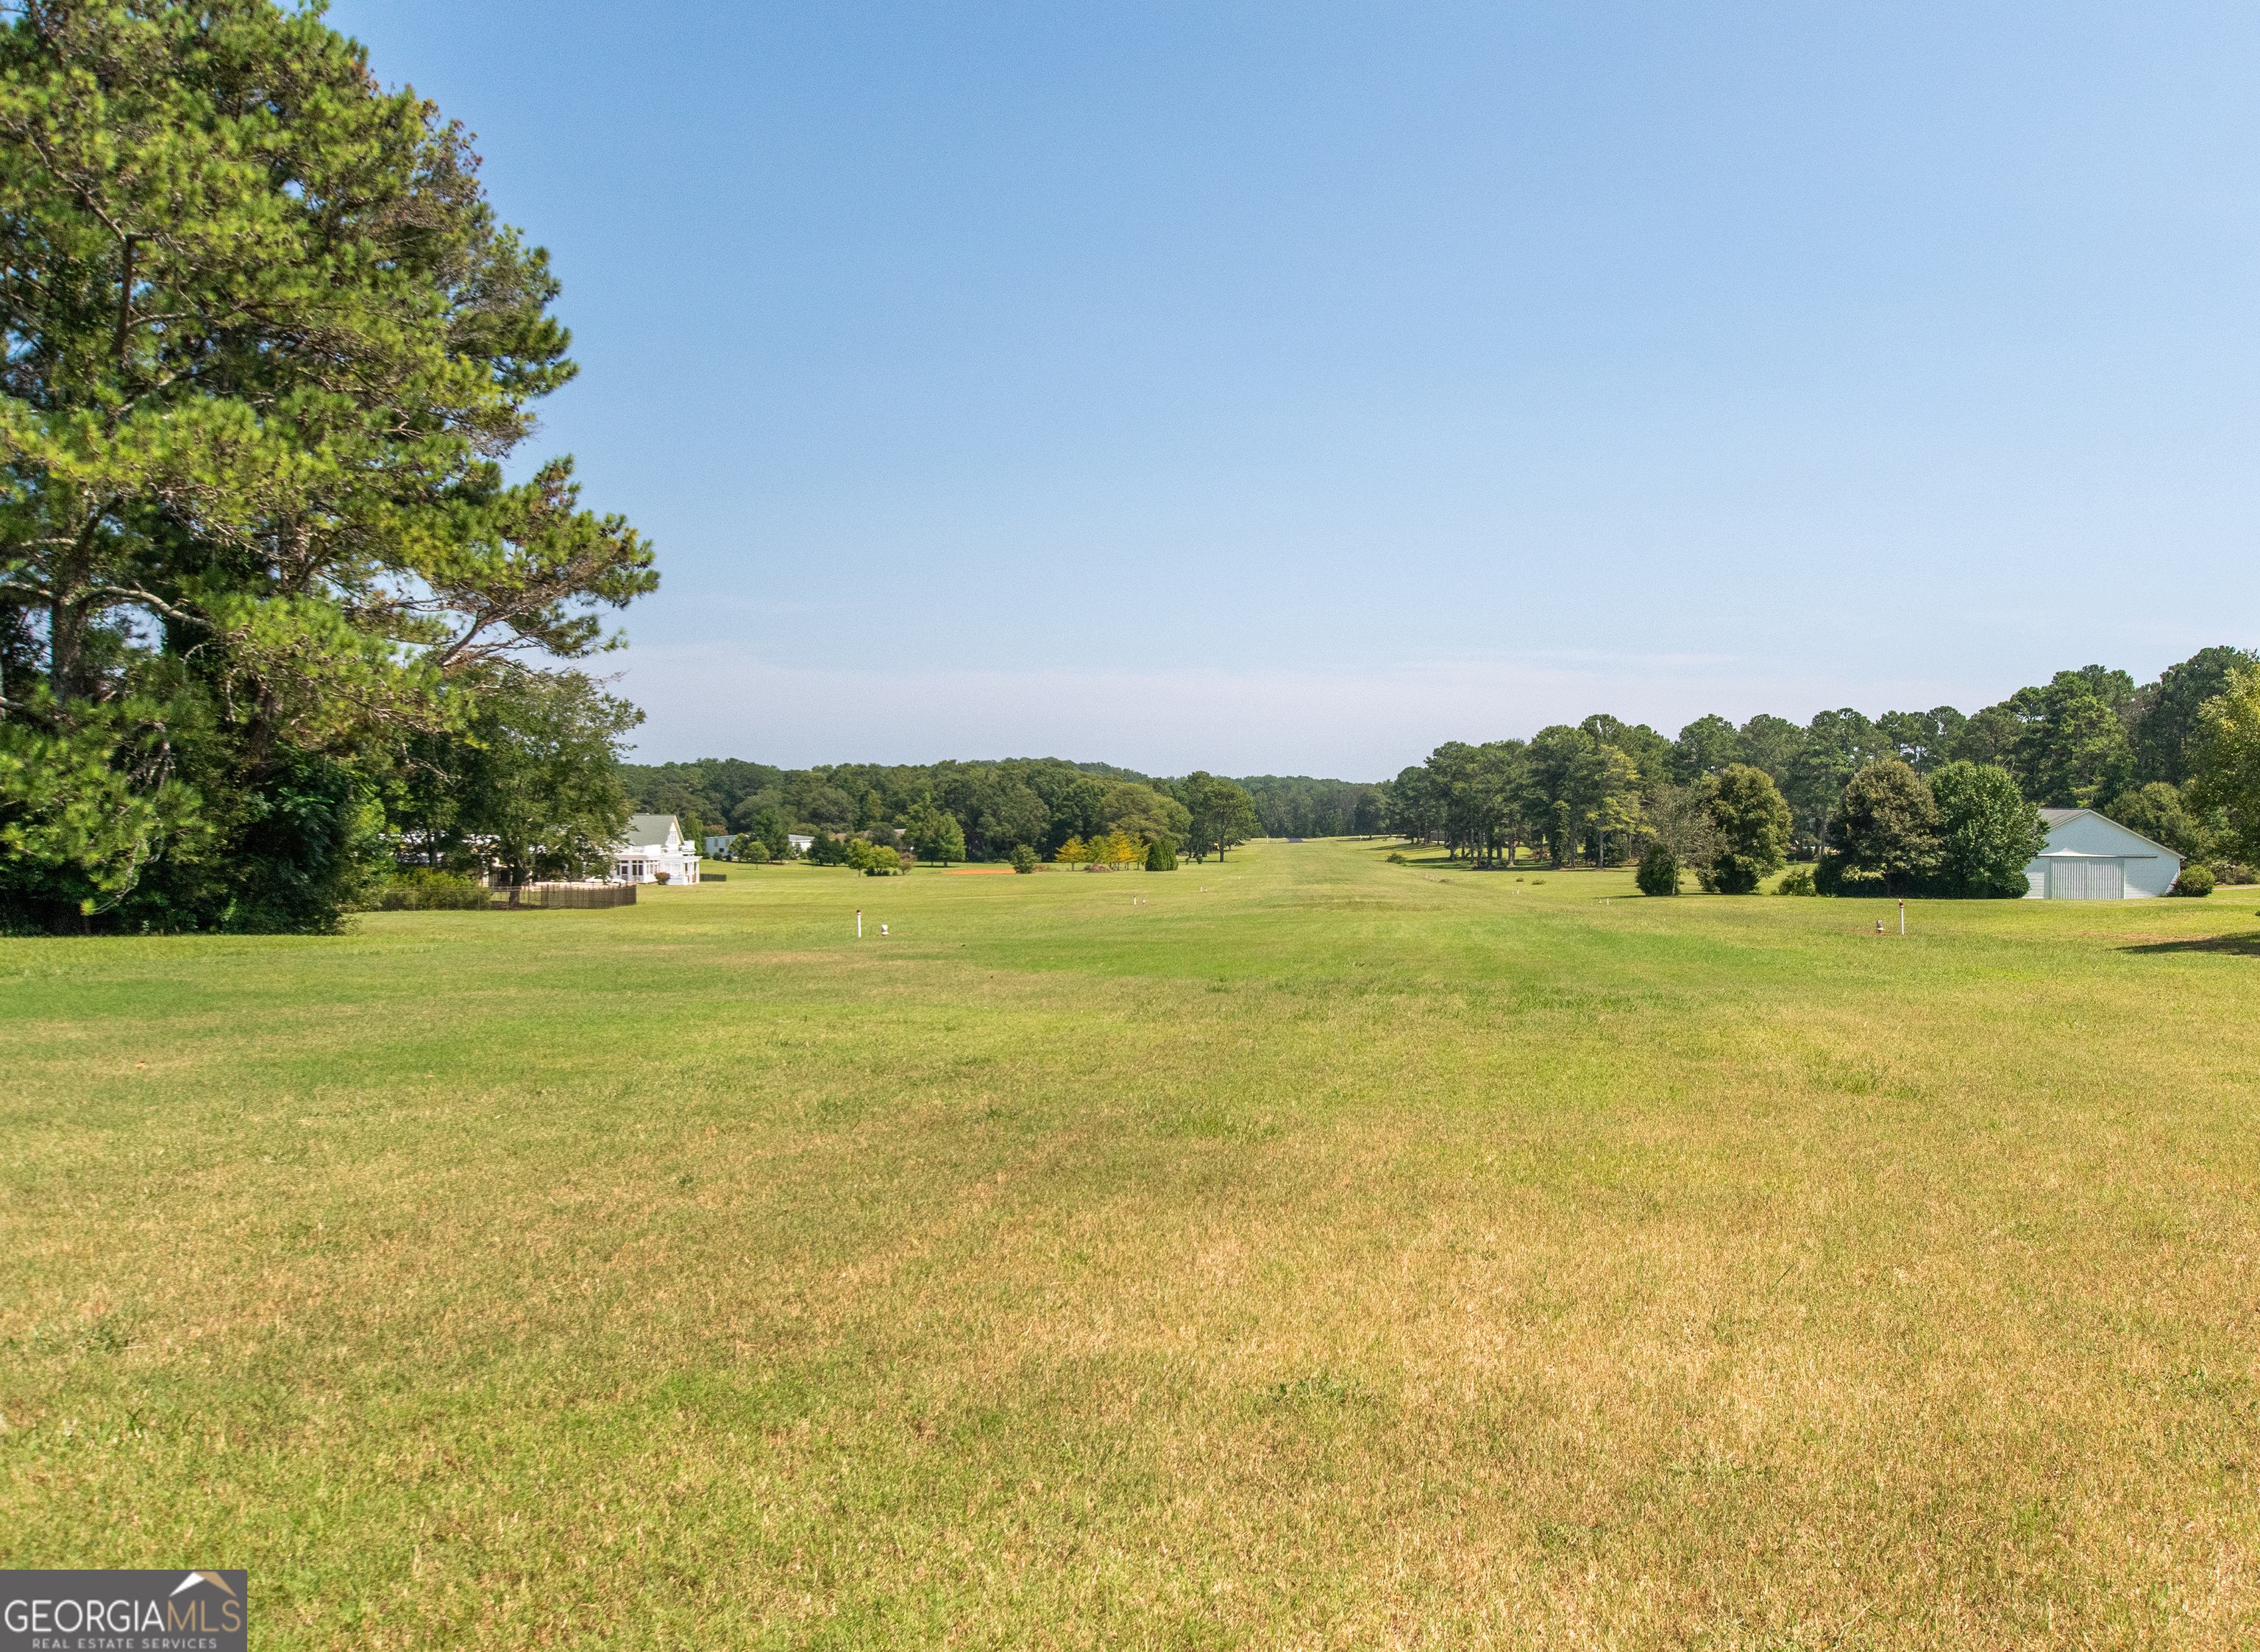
{"points": [[557, 897]]}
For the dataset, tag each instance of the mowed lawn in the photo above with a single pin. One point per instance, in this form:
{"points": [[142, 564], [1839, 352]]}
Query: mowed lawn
{"points": [[1318, 1255]]}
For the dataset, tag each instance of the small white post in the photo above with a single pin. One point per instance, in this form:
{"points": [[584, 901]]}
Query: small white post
{"points": [[1902, 917], [859, 923]]}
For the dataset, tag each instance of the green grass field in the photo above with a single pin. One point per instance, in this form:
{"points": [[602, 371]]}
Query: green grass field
{"points": [[1321, 1255]]}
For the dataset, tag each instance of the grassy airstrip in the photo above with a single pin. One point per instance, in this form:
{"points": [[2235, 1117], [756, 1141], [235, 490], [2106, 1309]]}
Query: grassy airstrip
{"points": [[1322, 1254]]}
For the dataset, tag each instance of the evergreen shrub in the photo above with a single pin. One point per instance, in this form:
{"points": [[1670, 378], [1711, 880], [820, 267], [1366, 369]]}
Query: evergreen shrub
{"points": [[1659, 871], [1023, 858], [2196, 879], [1833, 873]]}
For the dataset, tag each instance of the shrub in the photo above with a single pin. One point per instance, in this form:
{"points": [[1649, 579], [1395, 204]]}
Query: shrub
{"points": [[2233, 872], [1162, 854], [1659, 871], [1730, 875], [1795, 881], [1023, 858], [1396, 858], [2196, 879]]}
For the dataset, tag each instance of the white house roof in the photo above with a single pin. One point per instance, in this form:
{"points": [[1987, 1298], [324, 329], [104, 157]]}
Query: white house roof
{"points": [[2053, 819]]}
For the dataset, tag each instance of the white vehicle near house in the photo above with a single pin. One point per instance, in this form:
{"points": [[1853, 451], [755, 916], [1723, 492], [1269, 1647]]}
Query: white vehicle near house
{"points": [[2092, 857], [654, 844]]}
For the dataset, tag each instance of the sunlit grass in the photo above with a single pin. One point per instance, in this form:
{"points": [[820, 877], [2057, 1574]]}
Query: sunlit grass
{"points": [[1337, 1257]]}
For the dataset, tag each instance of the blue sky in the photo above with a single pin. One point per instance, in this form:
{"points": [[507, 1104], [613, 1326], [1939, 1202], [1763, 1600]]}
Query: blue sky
{"points": [[1290, 388]]}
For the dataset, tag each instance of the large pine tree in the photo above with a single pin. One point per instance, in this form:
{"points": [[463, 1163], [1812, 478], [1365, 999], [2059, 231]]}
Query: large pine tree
{"points": [[267, 348]]}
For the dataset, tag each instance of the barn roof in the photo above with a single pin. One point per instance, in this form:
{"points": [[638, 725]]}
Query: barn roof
{"points": [[2054, 817]]}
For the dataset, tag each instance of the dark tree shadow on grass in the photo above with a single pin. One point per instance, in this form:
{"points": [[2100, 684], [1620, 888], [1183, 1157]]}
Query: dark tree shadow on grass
{"points": [[2245, 946]]}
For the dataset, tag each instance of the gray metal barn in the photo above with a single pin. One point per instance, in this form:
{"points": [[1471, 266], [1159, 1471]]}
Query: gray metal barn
{"points": [[2092, 857]]}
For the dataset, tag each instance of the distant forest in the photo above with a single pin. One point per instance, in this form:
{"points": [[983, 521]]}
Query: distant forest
{"points": [[1042, 802], [1604, 789], [2090, 737]]}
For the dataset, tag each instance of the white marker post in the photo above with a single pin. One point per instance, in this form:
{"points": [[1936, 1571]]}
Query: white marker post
{"points": [[1902, 917], [859, 923]]}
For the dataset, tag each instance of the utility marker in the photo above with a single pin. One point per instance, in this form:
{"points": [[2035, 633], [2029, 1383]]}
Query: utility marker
{"points": [[1902, 917], [859, 923]]}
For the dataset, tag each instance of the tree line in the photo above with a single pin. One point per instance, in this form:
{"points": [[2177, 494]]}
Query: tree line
{"points": [[1932, 800], [948, 811], [1300, 807]]}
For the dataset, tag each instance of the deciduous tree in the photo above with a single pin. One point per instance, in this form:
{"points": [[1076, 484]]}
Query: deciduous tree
{"points": [[1679, 817], [2227, 761], [1751, 821], [1219, 813], [934, 833], [1987, 832], [1887, 824]]}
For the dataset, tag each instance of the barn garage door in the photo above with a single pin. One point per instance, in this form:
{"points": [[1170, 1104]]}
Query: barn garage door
{"points": [[2087, 880]]}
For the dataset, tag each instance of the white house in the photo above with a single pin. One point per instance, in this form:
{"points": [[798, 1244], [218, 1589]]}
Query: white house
{"points": [[2092, 857], [720, 846], [800, 840], [654, 844]]}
